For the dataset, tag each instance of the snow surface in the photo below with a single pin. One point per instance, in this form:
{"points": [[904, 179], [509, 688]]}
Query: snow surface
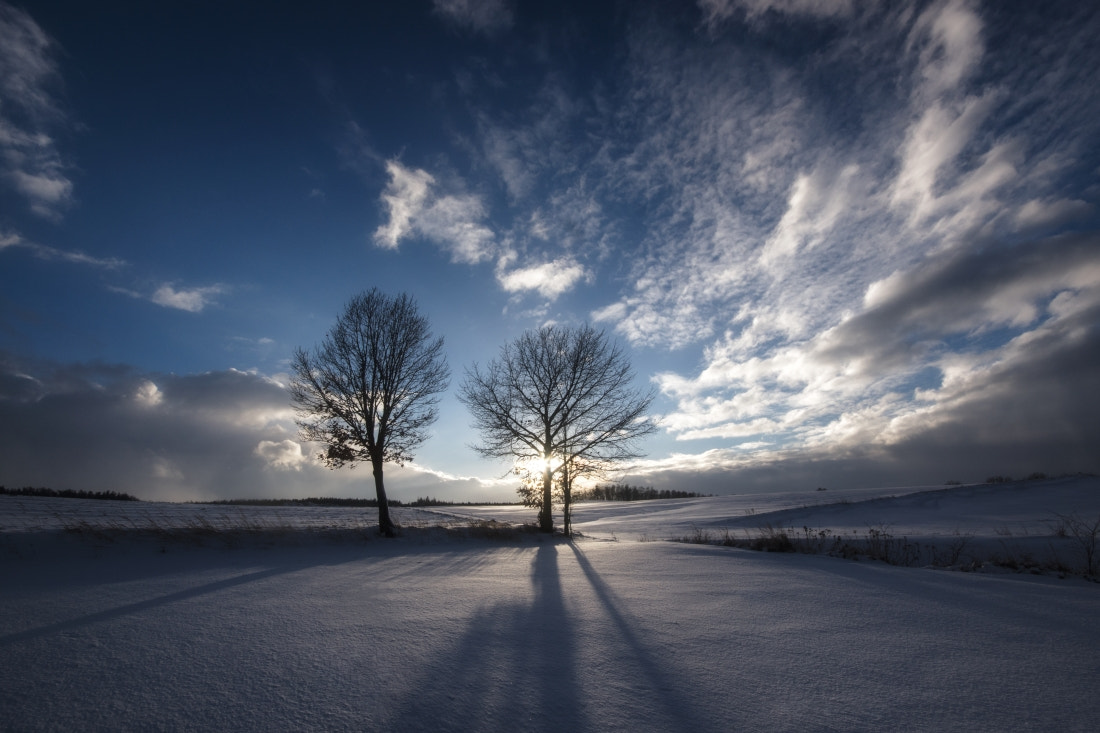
{"points": [[137, 616]]}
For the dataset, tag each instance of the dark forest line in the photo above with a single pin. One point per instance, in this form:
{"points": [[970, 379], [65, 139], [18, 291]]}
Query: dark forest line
{"points": [[67, 493], [331, 501], [625, 492]]}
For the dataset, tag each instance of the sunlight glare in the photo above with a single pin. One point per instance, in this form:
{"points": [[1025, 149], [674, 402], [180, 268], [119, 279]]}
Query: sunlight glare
{"points": [[537, 466]]}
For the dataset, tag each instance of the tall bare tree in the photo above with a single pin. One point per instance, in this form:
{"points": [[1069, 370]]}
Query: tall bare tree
{"points": [[369, 391], [562, 400]]}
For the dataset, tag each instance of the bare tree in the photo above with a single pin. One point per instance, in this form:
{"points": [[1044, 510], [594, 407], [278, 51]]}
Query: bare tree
{"points": [[561, 401], [369, 391]]}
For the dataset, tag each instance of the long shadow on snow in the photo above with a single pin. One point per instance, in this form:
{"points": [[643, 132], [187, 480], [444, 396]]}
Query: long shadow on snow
{"points": [[141, 606], [678, 714], [140, 568], [513, 669], [38, 560]]}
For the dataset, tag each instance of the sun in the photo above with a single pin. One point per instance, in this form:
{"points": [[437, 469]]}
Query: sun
{"points": [[537, 466]]}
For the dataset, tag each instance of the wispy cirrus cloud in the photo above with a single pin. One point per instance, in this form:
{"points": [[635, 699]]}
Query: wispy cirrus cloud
{"points": [[709, 158], [481, 16], [30, 162], [534, 145], [899, 272], [815, 203], [12, 240], [717, 11]]}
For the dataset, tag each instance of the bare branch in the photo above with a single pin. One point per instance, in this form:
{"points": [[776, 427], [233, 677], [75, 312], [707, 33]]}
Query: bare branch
{"points": [[369, 391], [562, 396]]}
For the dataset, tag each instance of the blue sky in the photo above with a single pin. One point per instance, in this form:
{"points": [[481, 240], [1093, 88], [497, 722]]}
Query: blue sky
{"points": [[849, 244]]}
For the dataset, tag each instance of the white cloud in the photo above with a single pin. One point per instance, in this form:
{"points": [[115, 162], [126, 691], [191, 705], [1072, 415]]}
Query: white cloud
{"points": [[549, 279], [953, 174], [284, 454], [404, 198], [815, 204], [453, 221], [1037, 213], [29, 159], [503, 151], [540, 143], [841, 280], [932, 144], [47, 188], [712, 163], [148, 394], [484, 16], [193, 300], [949, 35]]}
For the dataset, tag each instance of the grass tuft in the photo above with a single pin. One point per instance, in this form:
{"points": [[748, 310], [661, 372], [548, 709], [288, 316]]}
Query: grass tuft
{"points": [[956, 553]]}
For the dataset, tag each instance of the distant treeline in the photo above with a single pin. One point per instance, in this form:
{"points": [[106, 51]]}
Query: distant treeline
{"points": [[429, 501], [330, 501], [311, 501], [67, 493], [1037, 476], [623, 492]]}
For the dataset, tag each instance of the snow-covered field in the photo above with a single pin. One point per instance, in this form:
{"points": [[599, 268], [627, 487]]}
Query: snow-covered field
{"points": [[128, 616]]}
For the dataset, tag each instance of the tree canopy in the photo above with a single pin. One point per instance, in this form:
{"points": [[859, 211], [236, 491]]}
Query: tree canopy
{"points": [[370, 390], [560, 402]]}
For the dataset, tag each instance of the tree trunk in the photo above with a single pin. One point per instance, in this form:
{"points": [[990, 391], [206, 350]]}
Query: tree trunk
{"points": [[566, 500], [385, 524], [546, 516]]}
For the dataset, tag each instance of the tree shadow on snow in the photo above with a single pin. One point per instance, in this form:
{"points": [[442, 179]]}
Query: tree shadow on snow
{"points": [[645, 666], [142, 606], [514, 668], [131, 567], [518, 666]]}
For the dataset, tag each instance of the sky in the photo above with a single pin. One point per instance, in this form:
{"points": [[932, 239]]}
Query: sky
{"points": [[847, 243]]}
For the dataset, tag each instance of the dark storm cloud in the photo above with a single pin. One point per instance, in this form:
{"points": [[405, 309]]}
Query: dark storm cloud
{"points": [[161, 436], [100, 426], [968, 295]]}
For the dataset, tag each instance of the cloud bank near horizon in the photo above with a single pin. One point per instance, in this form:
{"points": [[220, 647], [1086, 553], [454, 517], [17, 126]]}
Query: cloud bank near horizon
{"points": [[227, 434]]}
